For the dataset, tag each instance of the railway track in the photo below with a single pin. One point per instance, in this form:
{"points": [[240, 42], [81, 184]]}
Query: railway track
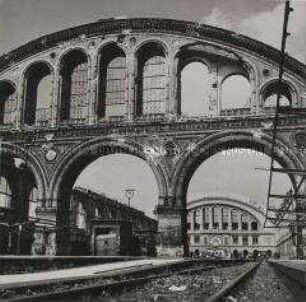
{"points": [[113, 282], [190, 281]]}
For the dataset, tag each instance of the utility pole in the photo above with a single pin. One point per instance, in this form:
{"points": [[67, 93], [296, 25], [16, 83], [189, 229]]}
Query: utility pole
{"points": [[290, 213]]}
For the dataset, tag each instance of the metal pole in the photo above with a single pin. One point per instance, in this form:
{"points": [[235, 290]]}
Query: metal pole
{"points": [[129, 193], [285, 34]]}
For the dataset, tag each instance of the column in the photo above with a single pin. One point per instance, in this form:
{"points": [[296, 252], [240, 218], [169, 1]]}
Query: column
{"points": [[249, 225], [19, 103], [172, 106], [56, 97], [192, 222], [254, 98], [203, 213], [92, 242], [210, 218], [93, 83], [220, 217], [250, 240], [214, 91], [5, 237], [131, 86], [201, 220], [239, 221], [229, 219], [172, 226]]}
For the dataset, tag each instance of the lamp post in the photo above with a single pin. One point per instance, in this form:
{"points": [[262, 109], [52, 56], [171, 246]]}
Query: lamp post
{"points": [[129, 193]]}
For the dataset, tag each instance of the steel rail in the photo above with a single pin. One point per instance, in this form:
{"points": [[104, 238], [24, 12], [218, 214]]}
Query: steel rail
{"points": [[110, 286], [234, 285]]}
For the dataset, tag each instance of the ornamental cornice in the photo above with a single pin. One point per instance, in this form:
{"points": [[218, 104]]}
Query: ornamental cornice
{"points": [[145, 130]]}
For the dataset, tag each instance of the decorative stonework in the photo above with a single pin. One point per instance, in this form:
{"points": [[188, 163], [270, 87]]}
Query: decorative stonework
{"points": [[300, 140], [183, 28], [170, 142]]}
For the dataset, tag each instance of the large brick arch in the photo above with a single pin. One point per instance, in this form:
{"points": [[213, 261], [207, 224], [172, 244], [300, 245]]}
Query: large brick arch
{"points": [[81, 136], [33, 163], [83, 154], [202, 149]]}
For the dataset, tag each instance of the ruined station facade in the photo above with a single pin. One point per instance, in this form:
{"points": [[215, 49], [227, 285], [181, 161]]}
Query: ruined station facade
{"points": [[115, 86], [228, 227]]}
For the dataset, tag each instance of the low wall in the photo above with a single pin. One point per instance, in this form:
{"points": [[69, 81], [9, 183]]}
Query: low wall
{"points": [[297, 274]]}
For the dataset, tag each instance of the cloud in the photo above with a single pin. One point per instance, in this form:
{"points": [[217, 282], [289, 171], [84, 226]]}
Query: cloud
{"points": [[219, 19], [267, 26]]}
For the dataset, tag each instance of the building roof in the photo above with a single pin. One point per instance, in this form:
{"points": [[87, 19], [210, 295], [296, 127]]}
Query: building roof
{"points": [[101, 197], [229, 199], [152, 25]]}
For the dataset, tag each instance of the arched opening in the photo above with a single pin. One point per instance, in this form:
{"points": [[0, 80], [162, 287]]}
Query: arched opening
{"points": [[7, 103], [196, 253], [74, 87], [196, 216], [234, 220], [38, 94], [235, 93], [235, 254], [194, 90], [241, 154], [245, 163], [244, 222], [112, 83], [215, 216], [16, 182], [107, 205], [269, 95], [33, 202], [5, 194], [151, 81], [254, 225], [225, 218], [205, 218]]}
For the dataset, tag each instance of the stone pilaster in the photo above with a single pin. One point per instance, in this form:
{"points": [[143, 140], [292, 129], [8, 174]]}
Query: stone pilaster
{"points": [[210, 218], [239, 221], [254, 99], [171, 229], [131, 80], [192, 221], [229, 220], [93, 83], [201, 220], [56, 97], [220, 218], [214, 92], [45, 238], [172, 106]]}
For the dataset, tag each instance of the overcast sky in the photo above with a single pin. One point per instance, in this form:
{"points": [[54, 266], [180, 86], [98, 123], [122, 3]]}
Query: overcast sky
{"points": [[24, 20]]}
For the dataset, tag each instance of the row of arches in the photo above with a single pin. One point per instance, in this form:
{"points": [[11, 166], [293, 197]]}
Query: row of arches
{"points": [[72, 168], [75, 161], [112, 92]]}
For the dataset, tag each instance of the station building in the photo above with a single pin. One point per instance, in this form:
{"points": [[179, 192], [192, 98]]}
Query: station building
{"points": [[97, 225], [228, 226]]}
